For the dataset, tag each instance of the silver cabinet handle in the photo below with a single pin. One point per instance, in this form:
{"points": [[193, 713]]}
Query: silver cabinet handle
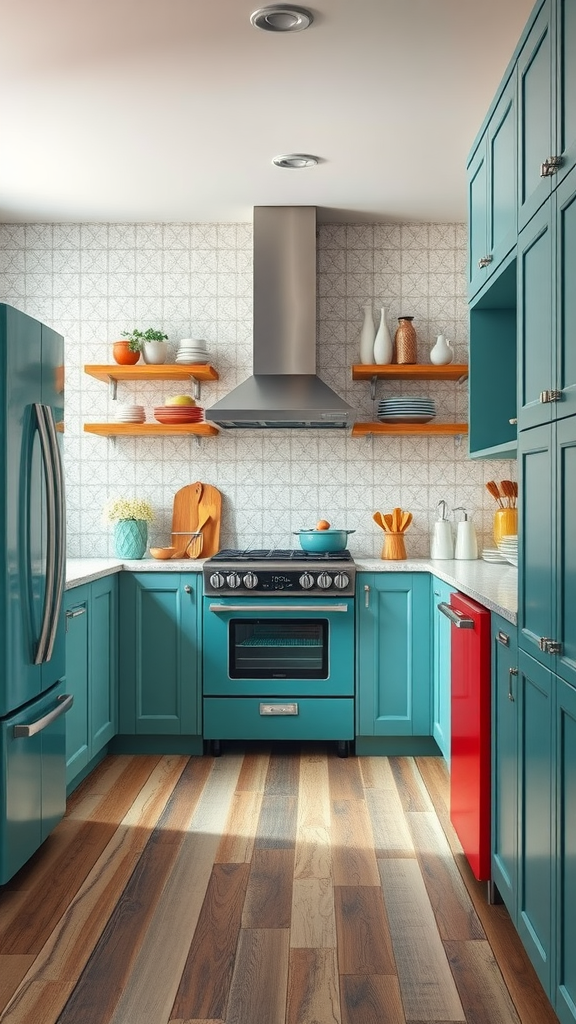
{"points": [[485, 261], [279, 709], [74, 614], [550, 166], [503, 638], [456, 618], [511, 672], [188, 588], [65, 700], [251, 608], [366, 596], [51, 533]]}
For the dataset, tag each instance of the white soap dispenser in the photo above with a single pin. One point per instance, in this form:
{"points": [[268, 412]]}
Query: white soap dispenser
{"points": [[442, 542], [466, 542]]}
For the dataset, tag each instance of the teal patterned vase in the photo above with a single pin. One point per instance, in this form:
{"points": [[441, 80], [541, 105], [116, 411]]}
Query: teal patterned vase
{"points": [[130, 538]]}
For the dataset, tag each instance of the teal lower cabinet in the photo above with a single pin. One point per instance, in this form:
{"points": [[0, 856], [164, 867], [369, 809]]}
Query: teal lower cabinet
{"points": [[159, 661], [393, 664], [90, 613], [441, 663], [505, 760], [565, 889]]}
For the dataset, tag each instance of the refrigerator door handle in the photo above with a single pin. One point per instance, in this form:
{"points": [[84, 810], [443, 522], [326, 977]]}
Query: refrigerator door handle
{"points": [[45, 448], [65, 700], [456, 617], [60, 530]]}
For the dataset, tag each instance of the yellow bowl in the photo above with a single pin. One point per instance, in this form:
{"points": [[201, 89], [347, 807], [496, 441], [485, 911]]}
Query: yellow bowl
{"points": [[162, 552]]}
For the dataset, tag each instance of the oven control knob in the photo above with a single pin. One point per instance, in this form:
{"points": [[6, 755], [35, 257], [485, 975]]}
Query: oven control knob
{"points": [[217, 580], [233, 580], [324, 580], [306, 580], [341, 580], [250, 580]]}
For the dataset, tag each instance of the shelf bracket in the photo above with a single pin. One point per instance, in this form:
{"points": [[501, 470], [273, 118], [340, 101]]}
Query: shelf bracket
{"points": [[373, 388], [198, 440], [196, 390], [113, 388], [463, 378]]}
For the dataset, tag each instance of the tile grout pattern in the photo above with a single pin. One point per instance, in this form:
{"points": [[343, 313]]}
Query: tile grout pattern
{"points": [[92, 281], [265, 886]]}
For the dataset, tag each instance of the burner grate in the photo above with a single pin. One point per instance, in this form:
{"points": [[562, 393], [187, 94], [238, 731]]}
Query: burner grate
{"points": [[279, 555]]}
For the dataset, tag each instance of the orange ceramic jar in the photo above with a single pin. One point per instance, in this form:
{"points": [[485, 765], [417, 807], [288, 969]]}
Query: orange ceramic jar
{"points": [[123, 355]]}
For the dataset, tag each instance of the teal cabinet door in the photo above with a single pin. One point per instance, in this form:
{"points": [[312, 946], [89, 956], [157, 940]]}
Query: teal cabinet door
{"points": [[103, 662], [76, 615], [536, 68], [535, 813], [159, 654], [393, 654], [536, 325], [564, 562], [565, 367], [478, 255], [441, 683], [566, 84], [565, 902], [505, 760]]}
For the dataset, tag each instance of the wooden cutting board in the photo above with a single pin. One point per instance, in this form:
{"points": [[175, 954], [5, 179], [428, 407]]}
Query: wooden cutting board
{"points": [[191, 504]]}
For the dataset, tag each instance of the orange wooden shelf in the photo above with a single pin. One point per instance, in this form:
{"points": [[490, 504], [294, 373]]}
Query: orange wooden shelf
{"points": [[409, 429], [409, 371], [147, 371], [151, 429]]}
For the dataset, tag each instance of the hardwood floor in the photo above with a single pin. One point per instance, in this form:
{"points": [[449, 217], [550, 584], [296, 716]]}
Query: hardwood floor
{"points": [[268, 886]]}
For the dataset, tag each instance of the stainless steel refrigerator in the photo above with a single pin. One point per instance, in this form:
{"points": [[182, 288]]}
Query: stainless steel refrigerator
{"points": [[32, 569]]}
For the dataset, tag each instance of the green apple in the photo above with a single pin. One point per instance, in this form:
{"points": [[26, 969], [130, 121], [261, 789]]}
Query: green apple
{"points": [[180, 400]]}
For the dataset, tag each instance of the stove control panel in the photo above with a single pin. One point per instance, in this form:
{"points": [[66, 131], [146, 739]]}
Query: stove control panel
{"points": [[268, 581]]}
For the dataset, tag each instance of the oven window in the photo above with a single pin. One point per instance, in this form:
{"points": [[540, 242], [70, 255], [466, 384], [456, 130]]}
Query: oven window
{"points": [[278, 649]]}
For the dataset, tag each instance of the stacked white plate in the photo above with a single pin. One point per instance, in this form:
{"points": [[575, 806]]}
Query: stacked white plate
{"points": [[192, 350], [508, 547], [406, 409], [126, 413], [493, 555]]}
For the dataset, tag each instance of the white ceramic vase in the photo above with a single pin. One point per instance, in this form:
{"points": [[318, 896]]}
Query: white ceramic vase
{"points": [[367, 336], [154, 352], [383, 344], [442, 352]]}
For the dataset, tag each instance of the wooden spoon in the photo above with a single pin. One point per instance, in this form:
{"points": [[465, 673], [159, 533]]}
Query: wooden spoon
{"points": [[378, 518], [396, 517], [405, 521], [195, 546], [388, 519]]}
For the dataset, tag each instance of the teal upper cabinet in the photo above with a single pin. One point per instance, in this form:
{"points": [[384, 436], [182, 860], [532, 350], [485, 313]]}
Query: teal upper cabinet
{"points": [[547, 310], [393, 654], [492, 192], [159, 654], [566, 84], [536, 114]]}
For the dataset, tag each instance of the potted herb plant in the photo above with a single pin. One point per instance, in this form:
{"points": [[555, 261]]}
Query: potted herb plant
{"points": [[130, 517], [151, 343]]}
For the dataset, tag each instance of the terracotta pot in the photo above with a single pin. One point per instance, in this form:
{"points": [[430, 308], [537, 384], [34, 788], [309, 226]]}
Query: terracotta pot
{"points": [[123, 355]]}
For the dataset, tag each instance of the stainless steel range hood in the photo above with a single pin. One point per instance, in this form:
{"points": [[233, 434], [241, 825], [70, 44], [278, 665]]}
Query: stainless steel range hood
{"points": [[284, 391]]}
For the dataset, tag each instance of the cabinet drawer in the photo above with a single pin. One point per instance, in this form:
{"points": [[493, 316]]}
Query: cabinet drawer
{"points": [[242, 718]]}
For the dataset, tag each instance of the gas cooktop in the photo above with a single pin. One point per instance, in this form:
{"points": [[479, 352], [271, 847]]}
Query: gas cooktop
{"points": [[277, 571], [279, 555]]}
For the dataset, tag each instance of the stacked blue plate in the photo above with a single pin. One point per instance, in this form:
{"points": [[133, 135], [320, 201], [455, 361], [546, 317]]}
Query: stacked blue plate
{"points": [[406, 409]]}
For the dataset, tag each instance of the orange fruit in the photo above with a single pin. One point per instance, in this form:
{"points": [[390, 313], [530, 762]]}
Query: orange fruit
{"points": [[322, 524]]}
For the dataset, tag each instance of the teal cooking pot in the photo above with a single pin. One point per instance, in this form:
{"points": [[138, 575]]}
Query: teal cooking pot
{"points": [[319, 541]]}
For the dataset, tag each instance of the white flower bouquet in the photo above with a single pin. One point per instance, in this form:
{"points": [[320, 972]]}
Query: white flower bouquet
{"points": [[118, 509]]}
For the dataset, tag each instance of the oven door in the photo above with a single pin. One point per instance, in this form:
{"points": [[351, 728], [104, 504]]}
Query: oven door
{"points": [[278, 646]]}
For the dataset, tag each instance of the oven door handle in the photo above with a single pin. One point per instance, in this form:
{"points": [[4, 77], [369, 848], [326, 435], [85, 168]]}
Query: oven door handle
{"points": [[250, 609]]}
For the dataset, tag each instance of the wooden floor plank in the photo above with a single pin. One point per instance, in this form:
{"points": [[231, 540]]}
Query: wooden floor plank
{"points": [[390, 830], [451, 903], [413, 792], [12, 970], [313, 990], [313, 853], [253, 772], [205, 982], [282, 775], [353, 857], [377, 773], [277, 823], [482, 990], [370, 999], [313, 923], [426, 983], [313, 792], [259, 984], [345, 778], [364, 945], [268, 902], [237, 841]]}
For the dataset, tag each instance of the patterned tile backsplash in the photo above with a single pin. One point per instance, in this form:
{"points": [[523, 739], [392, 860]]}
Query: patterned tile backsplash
{"points": [[91, 282]]}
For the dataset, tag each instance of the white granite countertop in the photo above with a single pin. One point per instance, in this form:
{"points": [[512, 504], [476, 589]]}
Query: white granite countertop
{"points": [[493, 585]]}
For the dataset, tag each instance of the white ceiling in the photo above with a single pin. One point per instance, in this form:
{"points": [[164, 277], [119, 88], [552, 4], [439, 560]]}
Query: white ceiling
{"points": [[171, 110]]}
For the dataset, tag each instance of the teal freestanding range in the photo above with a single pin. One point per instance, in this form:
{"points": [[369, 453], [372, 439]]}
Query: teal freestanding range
{"points": [[32, 565]]}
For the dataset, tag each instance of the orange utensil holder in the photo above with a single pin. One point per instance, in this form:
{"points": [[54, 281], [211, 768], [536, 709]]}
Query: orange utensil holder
{"points": [[394, 547], [505, 523]]}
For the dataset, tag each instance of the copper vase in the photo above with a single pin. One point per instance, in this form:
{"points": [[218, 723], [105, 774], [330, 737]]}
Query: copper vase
{"points": [[405, 341]]}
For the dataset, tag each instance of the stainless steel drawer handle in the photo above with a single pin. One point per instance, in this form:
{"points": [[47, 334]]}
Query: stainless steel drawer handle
{"points": [[456, 618], [66, 701], [511, 673], [278, 709], [252, 608], [74, 614], [503, 638]]}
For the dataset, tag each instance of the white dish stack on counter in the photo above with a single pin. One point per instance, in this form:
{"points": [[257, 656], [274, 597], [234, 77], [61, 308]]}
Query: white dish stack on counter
{"points": [[191, 351]]}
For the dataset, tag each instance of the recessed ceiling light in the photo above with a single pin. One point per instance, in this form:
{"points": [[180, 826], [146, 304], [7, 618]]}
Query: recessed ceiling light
{"points": [[279, 18], [296, 160]]}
